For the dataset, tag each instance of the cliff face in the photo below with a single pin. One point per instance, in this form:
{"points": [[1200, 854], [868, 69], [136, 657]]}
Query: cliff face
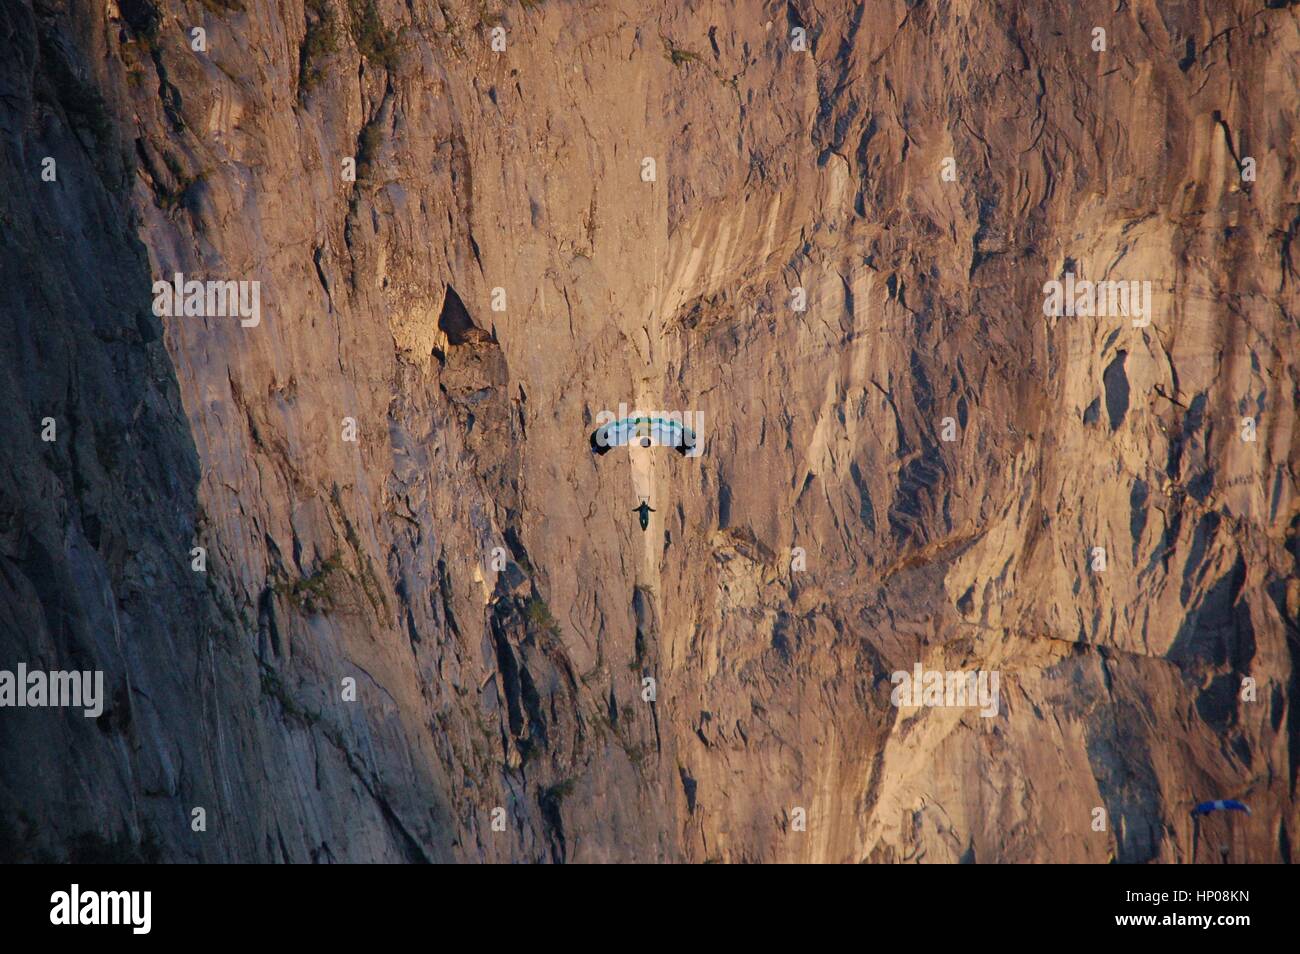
{"points": [[837, 255]]}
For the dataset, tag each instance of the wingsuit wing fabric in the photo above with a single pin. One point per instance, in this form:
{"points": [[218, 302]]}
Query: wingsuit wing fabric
{"points": [[1225, 804]]}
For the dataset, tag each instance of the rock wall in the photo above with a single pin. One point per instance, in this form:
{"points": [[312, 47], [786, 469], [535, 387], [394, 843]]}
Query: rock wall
{"points": [[837, 254]]}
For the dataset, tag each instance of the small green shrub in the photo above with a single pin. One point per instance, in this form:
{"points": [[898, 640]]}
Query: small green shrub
{"points": [[374, 41], [539, 616], [372, 137], [559, 791], [320, 41], [144, 18], [314, 593], [273, 688], [678, 56]]}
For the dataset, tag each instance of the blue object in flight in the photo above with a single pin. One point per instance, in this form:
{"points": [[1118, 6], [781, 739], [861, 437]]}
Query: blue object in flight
{"points": [[645, 431], [1223, 804]]}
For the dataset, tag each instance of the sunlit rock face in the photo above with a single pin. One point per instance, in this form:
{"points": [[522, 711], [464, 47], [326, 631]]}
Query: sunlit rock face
{"points": [[361, 590]]}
